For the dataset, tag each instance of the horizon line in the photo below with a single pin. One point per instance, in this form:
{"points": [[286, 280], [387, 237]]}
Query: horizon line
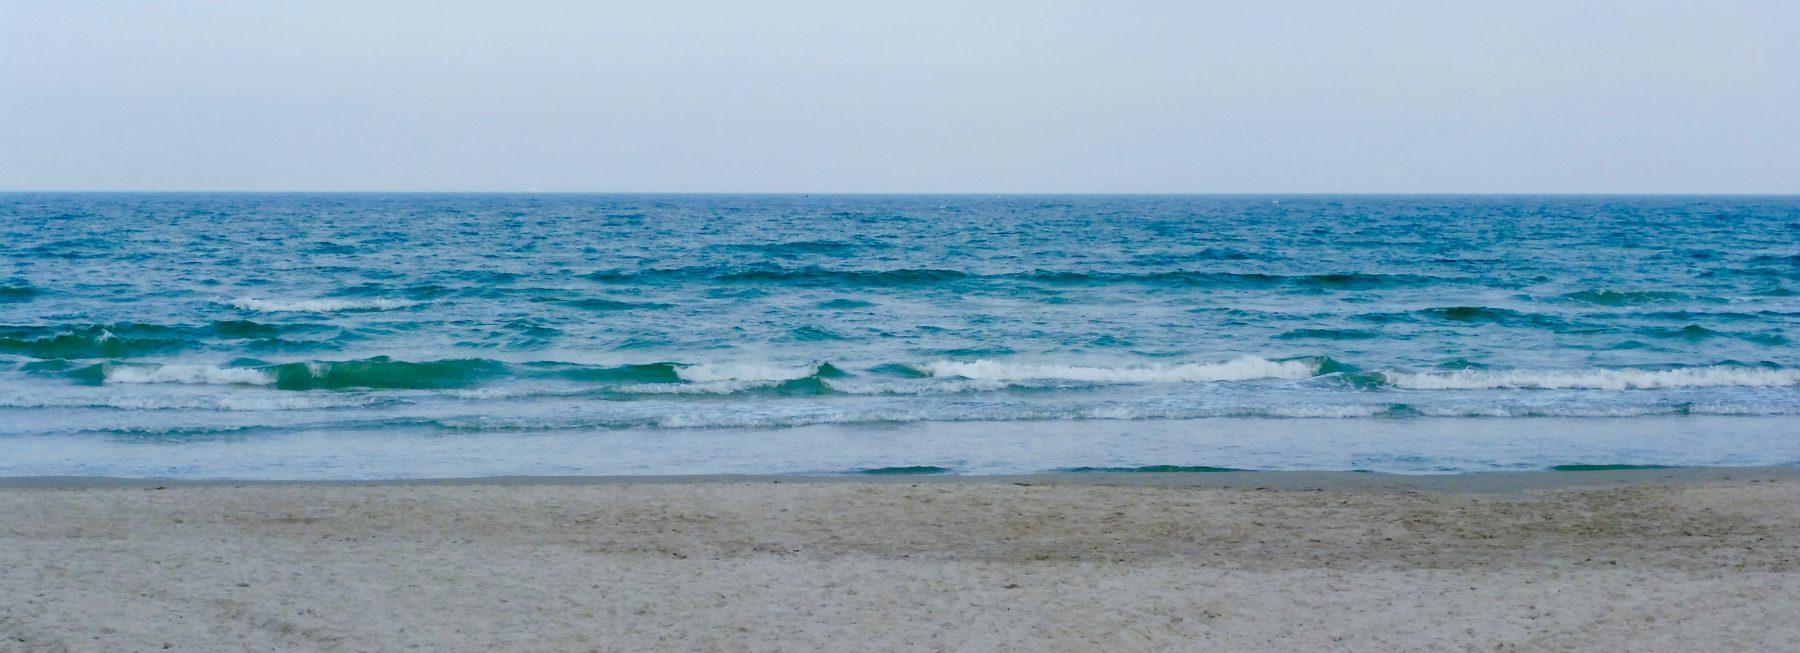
{"points": [[916, 193]]}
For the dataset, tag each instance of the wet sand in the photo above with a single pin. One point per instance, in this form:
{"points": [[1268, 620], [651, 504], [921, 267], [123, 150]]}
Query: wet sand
{"points": [[1675, 560]]}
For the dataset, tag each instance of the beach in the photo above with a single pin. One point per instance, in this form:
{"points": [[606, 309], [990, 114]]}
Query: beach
{"points": [[926, 326], [1639, 560]]}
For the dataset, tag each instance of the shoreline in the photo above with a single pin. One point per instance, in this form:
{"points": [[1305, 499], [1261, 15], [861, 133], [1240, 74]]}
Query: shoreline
{"points": [[1509, 482]]}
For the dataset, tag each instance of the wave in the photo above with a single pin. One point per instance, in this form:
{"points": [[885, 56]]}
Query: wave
{"points": [[805, 386], [1711, 376], [1242, 369], [812, 334], [811, 385], [1777, 259], [187, 374], [724, 420], [1696, 333], [815, 276], [1298, 410], [935, 387], [636, 374], [417, 291], [802, 248], [736, 378], [1207, 254], [478, 378], [710, 372], [221, 329], [382, 372], [1469, 315], [809, 276], [1327, 281], [131, 339], [328, 247], [1690, 332], [818, 378], [11, 293], [1633, 298], [608, 305], [845, 304], [1328, 334], [318, 305], [375, 373], [246, 329], [1477, 314], [224, 403], [1723, 316], [93, 342], [1361, 281], [713, 415]]}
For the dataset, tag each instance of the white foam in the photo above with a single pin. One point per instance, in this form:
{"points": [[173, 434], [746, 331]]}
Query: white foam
{"points": [[935, 387], [176, 403], [505, 393], [1242, 369], [1326, 411], [1598, 379], [318, 305], [290, 402], [195, 374], [698, 388], [1517, 411], [893, 416], [1716, 408], [706, 372]]}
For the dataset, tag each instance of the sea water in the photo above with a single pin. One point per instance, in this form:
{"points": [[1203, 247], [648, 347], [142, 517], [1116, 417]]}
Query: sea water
{"points": [[394, 336]]}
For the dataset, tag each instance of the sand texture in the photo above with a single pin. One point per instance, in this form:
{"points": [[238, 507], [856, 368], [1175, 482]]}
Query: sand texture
{"points": [[976, 566]]}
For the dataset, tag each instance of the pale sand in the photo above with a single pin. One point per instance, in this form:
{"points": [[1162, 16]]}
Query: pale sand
{"points": [[1687, 562]]}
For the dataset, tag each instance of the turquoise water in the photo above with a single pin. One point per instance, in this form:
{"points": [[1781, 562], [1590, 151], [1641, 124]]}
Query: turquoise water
{"points": [[368, 336]]}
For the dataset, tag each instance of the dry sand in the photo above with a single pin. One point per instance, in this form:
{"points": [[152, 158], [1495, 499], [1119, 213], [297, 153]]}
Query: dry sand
{"points": [[1051, 564]]}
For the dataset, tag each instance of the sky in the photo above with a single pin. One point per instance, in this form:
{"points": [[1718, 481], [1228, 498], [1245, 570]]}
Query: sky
{"points": [[1042, 96]]}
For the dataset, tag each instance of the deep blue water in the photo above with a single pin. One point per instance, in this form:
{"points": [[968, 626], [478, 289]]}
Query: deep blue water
{"points": [[309, 336]]}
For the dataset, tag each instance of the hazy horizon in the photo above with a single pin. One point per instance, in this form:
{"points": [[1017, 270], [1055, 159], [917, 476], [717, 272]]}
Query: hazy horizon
{"points": [[1608, 98], [656, 193]]}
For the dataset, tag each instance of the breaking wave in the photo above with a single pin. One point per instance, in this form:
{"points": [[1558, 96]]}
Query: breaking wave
{"points": [[1241, 369], [474, 376], [187, 374], [1711, 376]]}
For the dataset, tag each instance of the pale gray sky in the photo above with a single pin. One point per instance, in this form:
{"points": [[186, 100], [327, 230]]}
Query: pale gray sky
{"points": [[955, 96]]}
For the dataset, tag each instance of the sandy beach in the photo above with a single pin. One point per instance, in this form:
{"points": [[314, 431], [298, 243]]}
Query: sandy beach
{"points": [[1649, 560]]}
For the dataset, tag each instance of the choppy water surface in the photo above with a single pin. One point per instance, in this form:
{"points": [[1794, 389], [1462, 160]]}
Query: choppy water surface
{"points": [[301, 336]]}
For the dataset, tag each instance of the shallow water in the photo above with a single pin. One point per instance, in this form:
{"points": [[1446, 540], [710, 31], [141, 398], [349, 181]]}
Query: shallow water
{"points": [[196, 335]]}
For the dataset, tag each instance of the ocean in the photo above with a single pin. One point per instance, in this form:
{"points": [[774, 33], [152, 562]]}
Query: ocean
{"points": [[361, 336]]}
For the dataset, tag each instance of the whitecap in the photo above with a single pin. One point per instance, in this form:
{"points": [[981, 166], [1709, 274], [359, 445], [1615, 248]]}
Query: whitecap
{"points": [[177, 403], [1597, 379], [726, 387], [934, 387], [193, 374], [705, 372], [1242, 369]]}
